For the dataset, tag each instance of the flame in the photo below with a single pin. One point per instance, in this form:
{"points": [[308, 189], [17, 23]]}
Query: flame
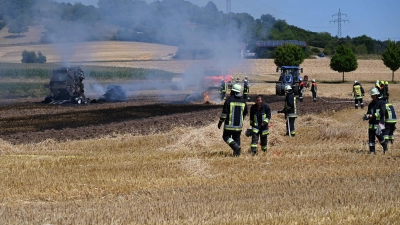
{"points": [[206, 97]]}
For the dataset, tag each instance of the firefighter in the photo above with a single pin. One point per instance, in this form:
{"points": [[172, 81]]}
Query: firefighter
{"points": [[222, 89], [390, 123], [301, 86], [387, 91], [383, 91], [260, 115], [246, 89], [314, 90], [358, 93], [233, 114], [237, 81], [290, 111], [376, 117]]}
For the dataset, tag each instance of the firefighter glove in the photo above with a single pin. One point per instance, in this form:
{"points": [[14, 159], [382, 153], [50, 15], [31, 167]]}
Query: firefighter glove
{"points": [[248, 132], [380, 128], [219, 124]]}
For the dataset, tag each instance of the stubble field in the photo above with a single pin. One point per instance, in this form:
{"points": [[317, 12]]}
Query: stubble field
{"points": [[157, 160]]}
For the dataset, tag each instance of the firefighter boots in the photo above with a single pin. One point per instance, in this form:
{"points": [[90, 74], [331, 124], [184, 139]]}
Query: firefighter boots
{"points": [[385, 147], [372, 150], [253, 151], [236, 148]]}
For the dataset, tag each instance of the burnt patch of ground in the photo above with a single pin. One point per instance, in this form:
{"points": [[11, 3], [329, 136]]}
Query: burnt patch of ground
{"points": [[31, 122]]}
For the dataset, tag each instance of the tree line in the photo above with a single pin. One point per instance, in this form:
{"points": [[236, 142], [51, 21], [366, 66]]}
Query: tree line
{"points": [[172, 22]]}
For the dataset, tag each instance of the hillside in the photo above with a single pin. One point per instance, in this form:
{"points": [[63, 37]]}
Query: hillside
{"points": [[32, 36]]}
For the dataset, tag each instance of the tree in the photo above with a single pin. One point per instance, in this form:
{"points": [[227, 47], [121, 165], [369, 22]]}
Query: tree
{"points": [[344, 60], [289, 55], [19, 25], [31, 57], [391, 57]]}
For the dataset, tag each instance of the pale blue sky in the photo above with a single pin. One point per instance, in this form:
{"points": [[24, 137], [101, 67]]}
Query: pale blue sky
{"points": [[376, 19]]}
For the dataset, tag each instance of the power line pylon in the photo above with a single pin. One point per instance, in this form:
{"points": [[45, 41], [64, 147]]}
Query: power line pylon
{"points": [[339, 21], [228, 6]]}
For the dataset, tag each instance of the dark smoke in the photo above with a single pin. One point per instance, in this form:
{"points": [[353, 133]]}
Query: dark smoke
{"points": [[114, 93]]}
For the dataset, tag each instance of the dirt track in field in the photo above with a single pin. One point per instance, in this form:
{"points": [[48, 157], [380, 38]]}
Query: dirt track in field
{"points": [[30, 121]]}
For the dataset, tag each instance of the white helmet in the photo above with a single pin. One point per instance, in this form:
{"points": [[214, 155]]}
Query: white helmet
{"points": [[300, 79], [313, 80], [288, 88], [355, 81], [374, 91], [237, 88]]}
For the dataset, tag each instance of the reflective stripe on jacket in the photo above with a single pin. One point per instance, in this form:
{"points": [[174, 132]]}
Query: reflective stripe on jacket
{"points": [[259, 116], [390, 116], [233, 113], [290, 105], [358, 91], [377, 109]]}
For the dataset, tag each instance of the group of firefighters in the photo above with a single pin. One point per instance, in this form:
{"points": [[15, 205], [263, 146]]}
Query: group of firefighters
{"points": [[224, 87], [235, 110], [380, 114]]}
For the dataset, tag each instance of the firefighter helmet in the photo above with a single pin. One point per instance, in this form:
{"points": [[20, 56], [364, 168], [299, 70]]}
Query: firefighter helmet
{"points": [[313, 80], [355, 82], [288, 88], [237, 88], [374, 91]]}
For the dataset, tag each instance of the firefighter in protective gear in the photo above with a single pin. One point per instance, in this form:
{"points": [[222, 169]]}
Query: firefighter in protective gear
{"points": [[222, 89], [246, 89], [376, 121], [301, 87], [358, 93], [290, 111], [314, 90], [260, 116], [384, 91], [233, 114], [390, 123], [387, 91]]}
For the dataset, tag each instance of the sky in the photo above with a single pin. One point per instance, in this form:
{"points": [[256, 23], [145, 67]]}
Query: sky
{"points": [[376, 19]]}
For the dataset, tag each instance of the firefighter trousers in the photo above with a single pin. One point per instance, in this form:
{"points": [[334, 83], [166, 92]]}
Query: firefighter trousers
{"points": [[232, 138], [290, 126], [371, 140], [254, 141]]}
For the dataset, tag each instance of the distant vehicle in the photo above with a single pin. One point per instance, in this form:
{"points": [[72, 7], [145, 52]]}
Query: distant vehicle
{"points": [[289, 76], [321, 55]]}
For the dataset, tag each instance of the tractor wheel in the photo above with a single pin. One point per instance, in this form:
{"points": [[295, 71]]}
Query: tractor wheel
{"points": [[278, 89]]}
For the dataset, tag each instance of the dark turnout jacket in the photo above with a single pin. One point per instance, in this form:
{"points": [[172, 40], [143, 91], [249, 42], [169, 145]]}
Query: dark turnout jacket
{"points": [[233, 113], [377, 109], [290, 105], [259, 116]]}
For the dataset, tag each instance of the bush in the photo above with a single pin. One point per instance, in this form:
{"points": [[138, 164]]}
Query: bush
{"points": [[32, 57], [315, 50]]}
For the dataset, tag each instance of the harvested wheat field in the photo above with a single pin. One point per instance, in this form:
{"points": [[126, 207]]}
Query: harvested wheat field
{"points": [[156, 159]]}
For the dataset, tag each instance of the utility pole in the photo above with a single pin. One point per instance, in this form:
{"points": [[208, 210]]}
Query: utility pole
{"points": [[339, 21], [228, 6]]}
